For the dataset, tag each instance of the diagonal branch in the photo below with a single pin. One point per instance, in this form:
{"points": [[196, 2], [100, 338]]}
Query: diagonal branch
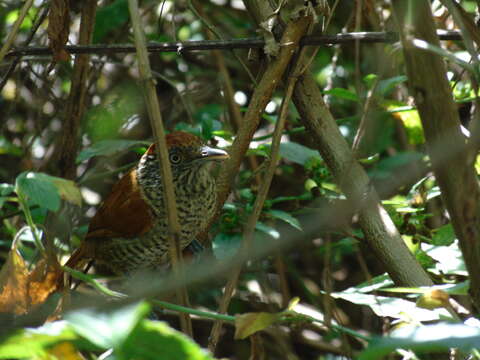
{"points": [[379, 229]]}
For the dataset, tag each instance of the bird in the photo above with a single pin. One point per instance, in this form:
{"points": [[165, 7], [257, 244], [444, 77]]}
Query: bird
{"points": [[129, 231]]}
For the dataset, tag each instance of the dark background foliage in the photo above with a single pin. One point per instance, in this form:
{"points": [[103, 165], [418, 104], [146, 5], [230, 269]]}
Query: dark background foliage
{"points": [[327, 269]]}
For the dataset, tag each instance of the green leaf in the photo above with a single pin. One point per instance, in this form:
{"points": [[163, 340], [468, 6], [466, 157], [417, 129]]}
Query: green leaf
{"points": [[387, 85], [285, 216], [249, 323], [39, 189], [428, 338], [5, 190], [342, 94], [68, 190], [108, 148], [46, 191], [154, 340], [392, 307], [444, 235], [267, 230], [376, 283], [8, 148], [32, 343], [109, 18], [449, 259], [107, 329], [297, 153]]}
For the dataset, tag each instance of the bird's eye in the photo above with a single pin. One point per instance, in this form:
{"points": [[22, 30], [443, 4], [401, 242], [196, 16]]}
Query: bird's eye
{"points": [[175, 158]]}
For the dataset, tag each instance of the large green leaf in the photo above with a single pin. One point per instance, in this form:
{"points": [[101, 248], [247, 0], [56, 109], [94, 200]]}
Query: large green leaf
{"points": [[46, 191], [33, 343], [153, 340], [429, 338], [107, 329], [39, 189]]}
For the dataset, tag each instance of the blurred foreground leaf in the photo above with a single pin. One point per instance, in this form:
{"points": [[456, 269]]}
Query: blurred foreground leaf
{"points": [[126, 331], [429, 338]]}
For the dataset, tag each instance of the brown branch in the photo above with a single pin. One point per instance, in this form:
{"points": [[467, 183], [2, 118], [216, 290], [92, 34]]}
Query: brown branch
{"points": [[261, 96], [155, 116], [246, 43], [447, 147]]}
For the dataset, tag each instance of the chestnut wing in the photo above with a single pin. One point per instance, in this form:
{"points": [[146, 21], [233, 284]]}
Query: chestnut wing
{"points": [[124, 213]]}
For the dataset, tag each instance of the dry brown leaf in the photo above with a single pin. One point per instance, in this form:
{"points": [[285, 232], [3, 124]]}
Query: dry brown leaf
{"points": [[21, 289], [13, 277], [58, 29]]}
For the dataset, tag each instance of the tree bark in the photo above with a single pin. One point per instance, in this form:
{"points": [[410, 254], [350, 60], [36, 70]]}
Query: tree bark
{"points": [[447, 147], [380, 232]]}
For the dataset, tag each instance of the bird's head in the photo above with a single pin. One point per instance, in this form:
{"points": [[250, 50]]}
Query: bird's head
{"points": [[186, 151]]}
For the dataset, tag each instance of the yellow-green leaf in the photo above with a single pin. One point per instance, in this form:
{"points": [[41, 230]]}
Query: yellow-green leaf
{"points": [[249, 323]]}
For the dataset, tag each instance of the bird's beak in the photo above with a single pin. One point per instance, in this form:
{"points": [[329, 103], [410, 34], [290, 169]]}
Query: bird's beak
{"points": [[209, 153]]}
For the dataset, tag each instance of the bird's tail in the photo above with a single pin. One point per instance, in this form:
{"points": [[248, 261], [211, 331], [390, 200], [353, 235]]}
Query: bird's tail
{"points": [[77, 261]]}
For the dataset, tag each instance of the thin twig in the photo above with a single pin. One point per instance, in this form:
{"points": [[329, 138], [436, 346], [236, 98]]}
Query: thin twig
{"points": [[258, 205], [39, 20], [245, 43], [16, 27], [165, 169]]}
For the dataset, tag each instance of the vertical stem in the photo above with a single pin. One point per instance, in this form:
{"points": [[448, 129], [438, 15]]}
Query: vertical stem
{"points": [[263, 190], [155, 116]]}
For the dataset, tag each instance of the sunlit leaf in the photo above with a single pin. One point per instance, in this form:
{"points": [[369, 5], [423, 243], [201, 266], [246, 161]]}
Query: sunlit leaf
{"points": [[154, 340], [107, 329], [249, 323], [32, 343], [46, 191], [65, 351], [428, 338], [393, 307], [38, 189], [433, 299], [267, 230], [449, 259], [285, 216]]}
